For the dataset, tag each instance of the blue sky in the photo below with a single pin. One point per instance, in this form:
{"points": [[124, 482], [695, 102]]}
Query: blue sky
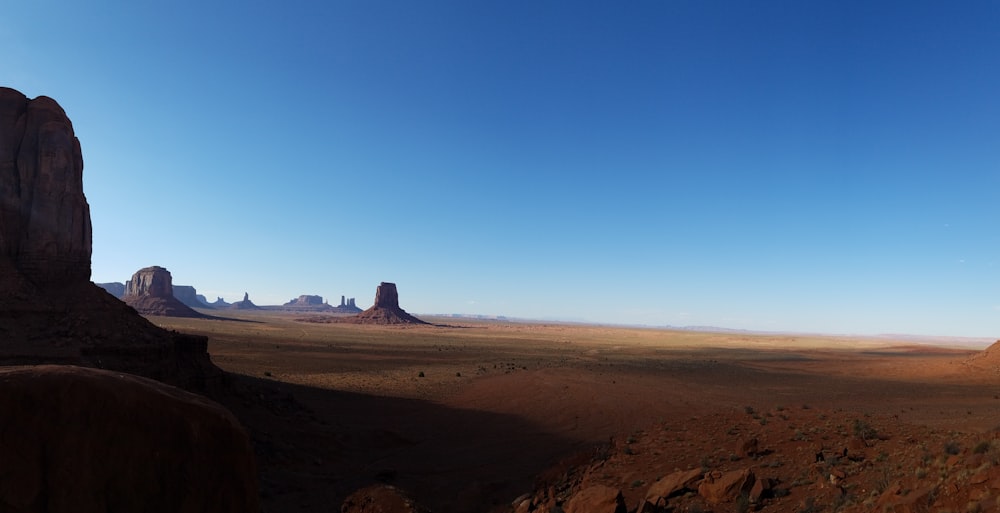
{"points": [[800, 166]]}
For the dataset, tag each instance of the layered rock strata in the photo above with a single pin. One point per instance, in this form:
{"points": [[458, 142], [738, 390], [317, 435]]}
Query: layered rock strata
{"points": [[386, 309], [151, 292], [50, 312]]}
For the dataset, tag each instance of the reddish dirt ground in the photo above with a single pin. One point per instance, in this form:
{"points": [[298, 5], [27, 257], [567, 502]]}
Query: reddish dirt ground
{"points": [[470, 416]]}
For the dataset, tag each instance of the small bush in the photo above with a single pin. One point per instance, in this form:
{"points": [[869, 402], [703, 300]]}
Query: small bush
{"points": [[952, 448], [420, 374], [864, 430], [982, 447]]}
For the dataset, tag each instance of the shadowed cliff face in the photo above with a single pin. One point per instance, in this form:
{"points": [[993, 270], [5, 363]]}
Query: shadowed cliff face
{"points": [[50, 312], [44, 217], [151, 292]]}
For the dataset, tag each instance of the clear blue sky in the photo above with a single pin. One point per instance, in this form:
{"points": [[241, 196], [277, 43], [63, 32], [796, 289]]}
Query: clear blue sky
{"points": [[802, 166]]}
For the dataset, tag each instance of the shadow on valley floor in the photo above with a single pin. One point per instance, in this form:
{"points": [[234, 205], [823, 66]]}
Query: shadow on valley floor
{"points": [[315, 446]]}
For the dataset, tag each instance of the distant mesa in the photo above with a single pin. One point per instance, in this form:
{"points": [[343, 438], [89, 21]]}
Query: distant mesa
{"points": [[386, 309], [115, 288], [185, 293], [306, 300], [219, 303], [189, 296], [151, 292], [246, 304]]}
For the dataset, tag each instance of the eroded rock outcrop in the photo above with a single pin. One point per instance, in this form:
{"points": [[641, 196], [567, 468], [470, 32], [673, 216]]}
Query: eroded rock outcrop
{"points": [[306, 300], [45, 228], [135, 445], [189, 296], [245, 304], [50, 312], [151, 292], [386, 309]]}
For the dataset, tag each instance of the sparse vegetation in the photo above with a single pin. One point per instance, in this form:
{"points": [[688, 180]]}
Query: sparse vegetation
{"points": [[864, 430]]}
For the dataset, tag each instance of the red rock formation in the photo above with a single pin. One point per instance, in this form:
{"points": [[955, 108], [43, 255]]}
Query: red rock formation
{"points": [[306, 300], [50, 312], [151, 292], [44, 216], [246, 304], [88, 440], [386, 309]]}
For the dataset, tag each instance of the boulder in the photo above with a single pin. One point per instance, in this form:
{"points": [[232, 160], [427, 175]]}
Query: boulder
{"points": [[380, 498], [672, 484], [747, 447], [718, 487], [597, 499], [89, 440], [151, 292]]}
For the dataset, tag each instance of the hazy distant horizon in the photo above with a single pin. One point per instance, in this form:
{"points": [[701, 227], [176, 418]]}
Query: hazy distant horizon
{"points": [[825, 167]]}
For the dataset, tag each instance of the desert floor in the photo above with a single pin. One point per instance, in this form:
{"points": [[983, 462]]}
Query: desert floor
{"points": [[466, 415]]}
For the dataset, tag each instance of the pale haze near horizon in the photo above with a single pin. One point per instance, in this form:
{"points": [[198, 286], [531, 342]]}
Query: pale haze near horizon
{"points": [[785, 166]]}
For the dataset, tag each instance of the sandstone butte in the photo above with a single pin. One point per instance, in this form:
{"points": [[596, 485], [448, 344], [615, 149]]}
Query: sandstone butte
{"points": [[151, 292], [79, 439], [386, 309]]}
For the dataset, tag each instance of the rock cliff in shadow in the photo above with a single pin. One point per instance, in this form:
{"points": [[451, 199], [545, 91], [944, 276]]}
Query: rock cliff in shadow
{"points": [[135, 445], [50, 312]]}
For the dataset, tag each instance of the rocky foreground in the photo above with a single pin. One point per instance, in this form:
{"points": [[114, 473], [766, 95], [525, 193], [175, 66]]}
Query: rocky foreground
{"points": [[785, 459]]}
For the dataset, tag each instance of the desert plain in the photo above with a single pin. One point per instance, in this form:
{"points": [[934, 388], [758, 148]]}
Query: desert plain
{"points": [[491, 415]]}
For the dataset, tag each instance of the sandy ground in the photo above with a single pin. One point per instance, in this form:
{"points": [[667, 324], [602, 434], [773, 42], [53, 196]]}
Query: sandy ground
{"points": [[466, 415]]}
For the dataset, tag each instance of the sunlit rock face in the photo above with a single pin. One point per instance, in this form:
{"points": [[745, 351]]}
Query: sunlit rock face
{"points": [[154, 281], [45, 227], [386, 309], [151, 292]]}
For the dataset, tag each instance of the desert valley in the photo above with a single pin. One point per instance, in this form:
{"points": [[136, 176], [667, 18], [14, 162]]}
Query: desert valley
{"points": [[316, 408], [494, 416]]}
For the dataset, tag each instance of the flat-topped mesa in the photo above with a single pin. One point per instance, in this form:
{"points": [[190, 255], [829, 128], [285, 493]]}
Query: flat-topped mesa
{"points": [[386, 296], [386, 309], [188, 295], [151, 292], [154, 281], [45, 227], [306, 300]]}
